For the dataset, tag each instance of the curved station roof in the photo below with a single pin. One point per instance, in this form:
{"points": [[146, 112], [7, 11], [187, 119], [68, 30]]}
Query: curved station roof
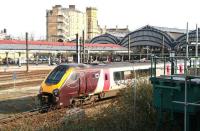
{"points": [[105, 38], [147, 36], [170, 38], [181, 41]]}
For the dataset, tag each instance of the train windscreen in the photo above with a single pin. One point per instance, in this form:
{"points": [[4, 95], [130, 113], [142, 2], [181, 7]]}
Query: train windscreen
{"points": [[56, 75]]}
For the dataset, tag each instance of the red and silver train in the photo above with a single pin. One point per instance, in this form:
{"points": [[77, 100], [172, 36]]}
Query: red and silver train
{"points": [[68, 84]]}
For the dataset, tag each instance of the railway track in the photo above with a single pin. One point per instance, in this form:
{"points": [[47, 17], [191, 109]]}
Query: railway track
{"points": [[36, 112], [22, 74], [23, 79], [13, 118]]}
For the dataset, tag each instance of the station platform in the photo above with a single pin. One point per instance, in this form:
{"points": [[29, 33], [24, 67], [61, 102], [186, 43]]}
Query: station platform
{"points": [[12, 68]]}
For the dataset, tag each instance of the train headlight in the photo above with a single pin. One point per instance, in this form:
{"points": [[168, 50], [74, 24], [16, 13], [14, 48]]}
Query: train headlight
{"points": [[40, 90], [56, 92]]}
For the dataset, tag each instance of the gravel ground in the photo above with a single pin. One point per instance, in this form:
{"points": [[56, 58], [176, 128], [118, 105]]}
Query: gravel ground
{"points": [[17, 100], [4, 68]]}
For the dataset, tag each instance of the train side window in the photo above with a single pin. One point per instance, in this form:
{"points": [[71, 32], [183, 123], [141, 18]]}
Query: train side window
{"points": [[122, 75], [118, 75], [127, 75]]}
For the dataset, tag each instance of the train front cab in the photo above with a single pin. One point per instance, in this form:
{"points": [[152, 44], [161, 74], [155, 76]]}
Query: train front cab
{"points": [[50, 87], [64, 84]]}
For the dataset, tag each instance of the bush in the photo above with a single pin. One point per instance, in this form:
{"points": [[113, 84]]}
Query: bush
{"points": [[121, 114]]}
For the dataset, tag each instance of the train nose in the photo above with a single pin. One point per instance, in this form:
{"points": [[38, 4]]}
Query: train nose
{"points": [[56, 92], [47, 99]]}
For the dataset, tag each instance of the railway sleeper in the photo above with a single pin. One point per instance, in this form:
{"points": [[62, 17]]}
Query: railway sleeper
{"points": [[84, 100]]}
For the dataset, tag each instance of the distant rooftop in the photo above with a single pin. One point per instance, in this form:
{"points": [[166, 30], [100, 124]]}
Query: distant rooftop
{"points": [[172, 30], [118, 32]]}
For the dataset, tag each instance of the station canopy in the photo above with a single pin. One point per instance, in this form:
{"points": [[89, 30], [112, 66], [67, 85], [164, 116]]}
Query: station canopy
{"points": [[106, 39], [181, 41], [152, 36], [148, 36]]}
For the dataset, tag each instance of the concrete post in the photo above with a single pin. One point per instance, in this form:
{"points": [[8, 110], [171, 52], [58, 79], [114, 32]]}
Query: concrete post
{"points": [[83, 41], [19, 60], [187, 35], [91, 60], [129, 47], [196, 50], [197, 40], [36, 59], [77, 49], [7, 59], [49, 59], [27, 53], [88, 56], [60, 59]]}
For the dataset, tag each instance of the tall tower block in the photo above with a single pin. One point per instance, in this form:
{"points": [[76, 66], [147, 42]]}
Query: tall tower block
{"points": [[92, 23]]}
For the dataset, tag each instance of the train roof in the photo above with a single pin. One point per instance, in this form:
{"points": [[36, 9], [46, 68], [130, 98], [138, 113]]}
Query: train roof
{"points": [[110, 65], [75, 65]]}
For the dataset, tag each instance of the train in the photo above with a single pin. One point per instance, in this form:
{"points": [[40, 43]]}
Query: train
{"points": [[71, 84]]}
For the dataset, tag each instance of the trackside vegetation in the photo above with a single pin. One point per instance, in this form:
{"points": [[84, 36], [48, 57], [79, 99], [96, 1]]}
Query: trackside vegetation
{"points": [[132, 110], [123, 114]]}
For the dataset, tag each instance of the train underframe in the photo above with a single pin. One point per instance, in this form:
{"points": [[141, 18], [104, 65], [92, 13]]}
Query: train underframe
{"points": [[48, 100]]}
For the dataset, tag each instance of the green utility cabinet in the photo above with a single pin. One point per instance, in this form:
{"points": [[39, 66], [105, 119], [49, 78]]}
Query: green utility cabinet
{"points": [[169, 96], [167, 90]]}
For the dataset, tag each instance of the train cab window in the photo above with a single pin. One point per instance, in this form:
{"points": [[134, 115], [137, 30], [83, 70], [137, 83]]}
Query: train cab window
{"points": [[73, 77], [118, 75], [56, 75]]}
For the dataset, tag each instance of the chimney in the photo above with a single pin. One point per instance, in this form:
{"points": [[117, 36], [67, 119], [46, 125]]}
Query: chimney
{"points": [[57, 6], [4, 31], [116, 27], [72, 7], [127, 27], [105, 29]]}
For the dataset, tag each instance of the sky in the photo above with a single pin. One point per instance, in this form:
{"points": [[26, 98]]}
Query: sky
{"points": [[20, 16]]}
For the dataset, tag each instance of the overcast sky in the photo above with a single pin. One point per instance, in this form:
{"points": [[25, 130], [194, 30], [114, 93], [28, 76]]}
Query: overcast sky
{"points": [[20, 16]]}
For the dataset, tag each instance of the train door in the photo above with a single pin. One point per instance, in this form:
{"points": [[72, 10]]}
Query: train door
{"points": [[106, 80], [92, 80], [70, 89], [72, 84], [82, 83]]}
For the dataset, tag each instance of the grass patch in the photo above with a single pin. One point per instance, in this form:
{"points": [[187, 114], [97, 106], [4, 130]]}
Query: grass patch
{"points": [[122, 115]]}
